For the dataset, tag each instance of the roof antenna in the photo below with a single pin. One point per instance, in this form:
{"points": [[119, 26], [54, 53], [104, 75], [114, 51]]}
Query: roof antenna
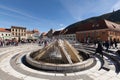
{"points": [[113, 10]]}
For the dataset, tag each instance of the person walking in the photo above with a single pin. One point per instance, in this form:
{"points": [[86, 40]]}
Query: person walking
{"points": [[106, 45], [95, 42], [111, 44], [99, 49], [115, 43], [45, 43]]}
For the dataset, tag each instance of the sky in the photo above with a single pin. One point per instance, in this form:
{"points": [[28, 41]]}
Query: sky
{"points": [[51, 14]]}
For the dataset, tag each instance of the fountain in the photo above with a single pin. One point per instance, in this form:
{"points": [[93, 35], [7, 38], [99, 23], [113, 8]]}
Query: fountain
{"points": [[60, 56]]}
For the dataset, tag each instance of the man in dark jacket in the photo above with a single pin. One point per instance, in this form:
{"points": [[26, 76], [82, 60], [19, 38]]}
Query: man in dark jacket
{"points": [[106, 45], [99, 49]]}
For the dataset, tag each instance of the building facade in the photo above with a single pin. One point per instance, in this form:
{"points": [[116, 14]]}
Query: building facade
{"points": [[101, 30], [18, 32], [33, 35], [43, 35], [57, 35], [50, 33], [65, 34], [68, 34], [5, 34], [69, 37]]}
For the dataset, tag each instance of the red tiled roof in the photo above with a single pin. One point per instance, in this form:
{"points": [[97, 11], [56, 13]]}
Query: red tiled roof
{"points": [[63, 31], [33, 31], [112, 26], [44, 34], [99, 24], [56, 32], [4, 30]]}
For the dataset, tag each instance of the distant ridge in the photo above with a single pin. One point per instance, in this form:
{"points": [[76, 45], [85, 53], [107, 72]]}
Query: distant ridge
{"points": [[113, 16]]}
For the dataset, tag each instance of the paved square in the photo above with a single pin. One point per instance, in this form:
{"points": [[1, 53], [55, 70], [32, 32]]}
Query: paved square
{"points": [[12, 68]]}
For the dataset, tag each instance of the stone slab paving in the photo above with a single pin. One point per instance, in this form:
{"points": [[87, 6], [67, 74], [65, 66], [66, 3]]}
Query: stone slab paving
{"points": [[11, 68]]}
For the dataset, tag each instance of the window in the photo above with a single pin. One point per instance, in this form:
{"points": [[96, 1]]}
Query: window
{"points": [[84, 34], [93, 25], [2, 34], [88, 34], [6, 34], [103, 33], [113, 26], [96, 33], [97, 25]]}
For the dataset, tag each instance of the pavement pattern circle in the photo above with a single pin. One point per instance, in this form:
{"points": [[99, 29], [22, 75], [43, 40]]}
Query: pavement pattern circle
{"points": [[11, 67]]}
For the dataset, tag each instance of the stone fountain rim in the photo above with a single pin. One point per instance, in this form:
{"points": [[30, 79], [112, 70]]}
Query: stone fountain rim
{"points": [[82, 50], [65, 67], [83, 62]]}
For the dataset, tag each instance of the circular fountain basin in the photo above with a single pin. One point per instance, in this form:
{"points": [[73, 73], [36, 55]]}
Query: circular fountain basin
{"points": [[87, 63]]}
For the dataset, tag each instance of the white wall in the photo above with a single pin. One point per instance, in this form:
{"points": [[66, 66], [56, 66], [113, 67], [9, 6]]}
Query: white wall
{"points": [[5, 35]]}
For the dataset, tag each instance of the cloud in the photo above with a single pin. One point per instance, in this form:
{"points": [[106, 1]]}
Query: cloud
{"points": [[60, 27], [12, 15], [82, 9], [18, 12], [72, 7], [116, 6]]}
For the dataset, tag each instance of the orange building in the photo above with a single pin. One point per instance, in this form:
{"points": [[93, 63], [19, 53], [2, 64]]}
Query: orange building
{"points": [[99, 30]]}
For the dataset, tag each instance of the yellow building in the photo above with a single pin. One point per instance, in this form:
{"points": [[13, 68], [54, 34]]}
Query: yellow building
{"points": [[18, 32]]}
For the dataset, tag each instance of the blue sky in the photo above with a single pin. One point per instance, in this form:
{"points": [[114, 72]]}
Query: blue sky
{"points": [[55, 14]]}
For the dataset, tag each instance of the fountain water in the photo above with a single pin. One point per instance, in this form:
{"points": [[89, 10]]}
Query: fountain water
{"points": [[60, 55]]}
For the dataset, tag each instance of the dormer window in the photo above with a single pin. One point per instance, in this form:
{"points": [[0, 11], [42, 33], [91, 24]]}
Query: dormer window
{"points": [[113, 26], [93, 25], [97, 25]]}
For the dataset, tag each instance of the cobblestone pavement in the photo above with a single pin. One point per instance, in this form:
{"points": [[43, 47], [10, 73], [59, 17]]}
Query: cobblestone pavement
{"points": [[11, 67]]}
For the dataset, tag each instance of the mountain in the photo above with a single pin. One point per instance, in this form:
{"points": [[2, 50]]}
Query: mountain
{"points": [[113, 16]]}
